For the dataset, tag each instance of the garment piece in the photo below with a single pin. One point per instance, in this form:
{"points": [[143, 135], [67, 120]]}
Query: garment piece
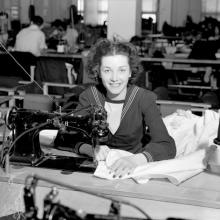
{"points": [[139, 111], [31, 39], [192, 132], [175, 170]]}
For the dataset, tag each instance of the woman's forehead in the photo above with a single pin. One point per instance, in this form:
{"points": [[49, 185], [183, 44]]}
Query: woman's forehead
{"points": [[118, 59]]}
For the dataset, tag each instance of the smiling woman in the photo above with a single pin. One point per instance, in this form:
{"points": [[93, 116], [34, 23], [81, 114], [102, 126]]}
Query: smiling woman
{"points": [[130, 109]]}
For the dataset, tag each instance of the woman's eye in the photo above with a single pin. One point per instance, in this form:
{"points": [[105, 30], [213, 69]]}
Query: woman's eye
{"points": [[106, 71], [122, 70]]}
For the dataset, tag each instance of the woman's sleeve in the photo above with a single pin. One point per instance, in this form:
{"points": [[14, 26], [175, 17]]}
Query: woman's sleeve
{"points": [[161, 145], [84, 102]]}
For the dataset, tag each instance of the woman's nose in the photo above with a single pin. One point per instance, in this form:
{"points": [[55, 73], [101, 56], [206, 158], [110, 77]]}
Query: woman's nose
{"points": [[114, 76]]}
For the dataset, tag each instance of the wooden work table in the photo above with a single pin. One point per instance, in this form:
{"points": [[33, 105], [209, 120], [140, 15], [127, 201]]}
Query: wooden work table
{"points": [[196, 198]]}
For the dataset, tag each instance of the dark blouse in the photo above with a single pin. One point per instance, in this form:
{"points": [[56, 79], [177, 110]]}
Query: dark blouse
{"points": [[139, 112]]}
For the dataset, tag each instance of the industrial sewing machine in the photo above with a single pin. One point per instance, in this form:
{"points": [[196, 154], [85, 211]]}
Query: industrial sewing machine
{"points": [[25, 126]]}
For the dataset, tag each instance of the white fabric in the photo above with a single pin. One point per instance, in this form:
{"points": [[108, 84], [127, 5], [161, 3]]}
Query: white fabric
{"points": [[192, 132], [175, 170], [114, 111], [31, 39], [47, 137]]}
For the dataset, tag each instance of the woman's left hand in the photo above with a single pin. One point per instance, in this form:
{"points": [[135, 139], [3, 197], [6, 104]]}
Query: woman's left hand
{"points": [[126, 165]]}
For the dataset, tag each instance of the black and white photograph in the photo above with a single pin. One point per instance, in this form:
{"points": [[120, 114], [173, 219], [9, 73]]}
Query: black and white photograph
{"points": [[109, 109]]}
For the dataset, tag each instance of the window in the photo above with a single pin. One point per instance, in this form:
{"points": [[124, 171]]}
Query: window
{"points": [[149, 16], [14, 12], [102, 11], [149, 9], [80, 7], [211, 8]]}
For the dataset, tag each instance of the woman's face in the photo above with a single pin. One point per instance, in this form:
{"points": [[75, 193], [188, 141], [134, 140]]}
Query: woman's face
{"points": [[115, 73]]}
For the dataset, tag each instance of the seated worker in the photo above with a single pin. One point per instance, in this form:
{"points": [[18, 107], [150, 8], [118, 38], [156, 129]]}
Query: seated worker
{"points": [[56, 30], [131, 110], [32, 38], [56, 34]]}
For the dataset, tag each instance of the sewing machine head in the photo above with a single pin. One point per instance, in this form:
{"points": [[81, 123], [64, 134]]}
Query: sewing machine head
{"points": [[25, 126]]}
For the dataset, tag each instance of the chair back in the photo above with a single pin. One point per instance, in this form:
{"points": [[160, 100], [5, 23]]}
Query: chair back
{"points": [[51, 69]]}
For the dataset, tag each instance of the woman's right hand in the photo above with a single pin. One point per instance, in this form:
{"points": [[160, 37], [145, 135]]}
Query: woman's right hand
{"points": [[101, 152]]}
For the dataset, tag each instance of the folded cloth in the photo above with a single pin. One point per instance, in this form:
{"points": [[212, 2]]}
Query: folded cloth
{"points": [[175, 170], [180, 126], [192, 132]]}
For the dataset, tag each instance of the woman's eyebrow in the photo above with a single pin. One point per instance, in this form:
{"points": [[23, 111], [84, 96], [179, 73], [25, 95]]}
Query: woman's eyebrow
{"points": [[111, 67], [106, 67], [124, 66]]}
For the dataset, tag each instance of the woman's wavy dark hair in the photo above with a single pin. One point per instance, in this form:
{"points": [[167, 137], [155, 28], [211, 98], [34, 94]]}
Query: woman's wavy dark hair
{"points": [[105, 47]]}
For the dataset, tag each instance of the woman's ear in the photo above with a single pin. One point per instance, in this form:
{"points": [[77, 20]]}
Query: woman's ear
{"points": [[97, 74]]}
